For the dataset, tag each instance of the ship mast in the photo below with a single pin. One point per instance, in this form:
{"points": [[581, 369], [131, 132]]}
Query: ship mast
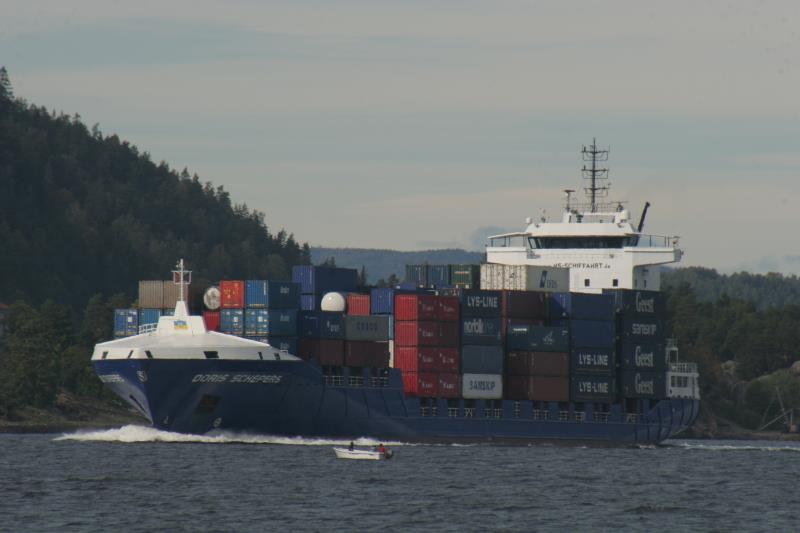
{"points": [[594, 174], [182, 278]]}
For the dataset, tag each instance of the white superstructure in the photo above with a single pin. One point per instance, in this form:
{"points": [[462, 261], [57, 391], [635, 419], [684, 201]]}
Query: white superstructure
{"points": [[597, 241]]}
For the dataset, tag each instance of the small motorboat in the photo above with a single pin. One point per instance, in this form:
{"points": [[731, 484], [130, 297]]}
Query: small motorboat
{"points": [[370, 455]]}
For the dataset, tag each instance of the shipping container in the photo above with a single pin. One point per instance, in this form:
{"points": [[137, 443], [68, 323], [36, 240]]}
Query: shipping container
{"points": [[231, 321], [596, 333], [319, 280], [487, 304], [358, 304], [642, 356], [581, 306], [310, 302], [482, 386], [232, 294], [644, 385], [366, 328], [449, 385], [525, 305], [270, 322], [149, 316], [481, 331], [423, 384], [438, 276], [465, 276], [524, 278], [272, 294], [541, 389], [288, 344], [126, 322], [171, 294], [537, 363], [511, 322], [328, 352], [417, 333], [382, 300], [641, 303], [211, 319], [592, 388], [449, 359], [537, 339], [366, 353], [448, 308], [481, 359], [593, 360], [417, 274], [321, 325], [151, 294], [416, 307], [449, 334], [417, 358], [642, 329]]}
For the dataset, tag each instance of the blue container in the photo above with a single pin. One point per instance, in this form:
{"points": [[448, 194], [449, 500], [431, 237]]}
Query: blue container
{"points": [[259, 293], [310, 302], [592, 360], [417, 274], [636, 384], [481, 331], [381, 300], [528, 338], [438, 276], [592, 388], [409, 286], [595, 333], [640, 303], [319, 280], [231, 321], [642, 329], [126, 322], [256, 322], [645, 356], [581, 306], [281, 322], [149, 316], [557, 322], [476, 303], [321, 325], [481, 359]]}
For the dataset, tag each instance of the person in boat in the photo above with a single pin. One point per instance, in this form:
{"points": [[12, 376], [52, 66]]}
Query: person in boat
{"points": [[351, 447], [381, 449]]}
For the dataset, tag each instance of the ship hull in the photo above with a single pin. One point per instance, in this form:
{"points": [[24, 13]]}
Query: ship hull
{"points": [[295, 399]]}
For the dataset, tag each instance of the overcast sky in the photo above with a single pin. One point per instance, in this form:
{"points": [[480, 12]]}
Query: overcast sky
{"points": [[415, 124]]}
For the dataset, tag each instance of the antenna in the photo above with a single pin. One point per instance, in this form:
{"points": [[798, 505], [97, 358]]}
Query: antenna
{"points": [[568, 194], [595, 174], [181, 277]]}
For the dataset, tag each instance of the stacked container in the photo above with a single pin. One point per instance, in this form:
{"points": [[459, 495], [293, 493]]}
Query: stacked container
{"points": [[366, 341], [643, 363], [270, 313], [481, 344], [321, 337], [316, 281], [465, 276], [426, 344], [524, 278], [593, 341], [126, 322]]}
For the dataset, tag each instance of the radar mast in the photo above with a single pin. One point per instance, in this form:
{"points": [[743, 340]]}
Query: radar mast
{"points": [[594, 174]]}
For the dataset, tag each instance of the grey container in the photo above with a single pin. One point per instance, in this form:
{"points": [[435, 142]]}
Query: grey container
{"points": [[366, 328], [481, 359], [151, 294]]}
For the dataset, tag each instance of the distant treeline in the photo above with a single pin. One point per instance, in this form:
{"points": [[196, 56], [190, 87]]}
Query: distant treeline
{"points": [[84, 213]]}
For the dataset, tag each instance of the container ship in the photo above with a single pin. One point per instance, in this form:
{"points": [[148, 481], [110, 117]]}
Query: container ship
{"points": [[558, 337]]}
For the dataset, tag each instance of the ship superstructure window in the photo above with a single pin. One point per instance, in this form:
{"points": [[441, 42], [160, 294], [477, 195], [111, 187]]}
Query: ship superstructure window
{"points": [[586, 282], [578, 242], [615, 282], [211, 354]]}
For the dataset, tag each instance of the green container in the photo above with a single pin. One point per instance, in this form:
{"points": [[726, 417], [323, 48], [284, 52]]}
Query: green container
{"points": [[465, 276]]}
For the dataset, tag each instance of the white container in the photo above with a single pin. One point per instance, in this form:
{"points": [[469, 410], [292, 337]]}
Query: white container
{"points": [[524, 278], [482, 386]]}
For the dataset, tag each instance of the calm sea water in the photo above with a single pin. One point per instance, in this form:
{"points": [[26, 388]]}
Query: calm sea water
{"points": [[139, 479]]}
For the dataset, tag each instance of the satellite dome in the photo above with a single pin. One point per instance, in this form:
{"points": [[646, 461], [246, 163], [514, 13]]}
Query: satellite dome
{"points": [[333, 301], [211, 298]]}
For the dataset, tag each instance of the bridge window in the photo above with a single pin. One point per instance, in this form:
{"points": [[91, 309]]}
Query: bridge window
{"points": [[578, 242], [586, 282], [615, 282], [211, 355]]}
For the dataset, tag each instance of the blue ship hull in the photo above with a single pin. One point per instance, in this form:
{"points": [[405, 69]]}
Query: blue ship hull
{"points": [[295, 399]]}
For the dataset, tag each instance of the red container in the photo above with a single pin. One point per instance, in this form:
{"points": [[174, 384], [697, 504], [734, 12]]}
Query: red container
{"points": [[449, 359], [425, 384], [510, 322], [449, 334], [325, 351], [517, 388], [358, 304], [231, 294], [417, 359], [415, 307], [449, 385], [524, 304], [416, 333], [366, 353], [211, 318], [550, 389], [537, 363], [448, 308]]}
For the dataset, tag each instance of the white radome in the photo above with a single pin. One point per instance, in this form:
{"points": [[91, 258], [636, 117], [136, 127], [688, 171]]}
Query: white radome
{"points": [[334, 302]]}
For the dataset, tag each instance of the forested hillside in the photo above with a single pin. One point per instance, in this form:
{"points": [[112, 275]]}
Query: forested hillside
{"points": [[83, 213]]}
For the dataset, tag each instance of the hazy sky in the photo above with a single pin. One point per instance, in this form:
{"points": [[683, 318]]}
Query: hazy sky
{"points": [[415, 124]]}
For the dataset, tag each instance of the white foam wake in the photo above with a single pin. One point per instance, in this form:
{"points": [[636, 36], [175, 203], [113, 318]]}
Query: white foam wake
{"points": [[771, 447], [136, 434]]}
